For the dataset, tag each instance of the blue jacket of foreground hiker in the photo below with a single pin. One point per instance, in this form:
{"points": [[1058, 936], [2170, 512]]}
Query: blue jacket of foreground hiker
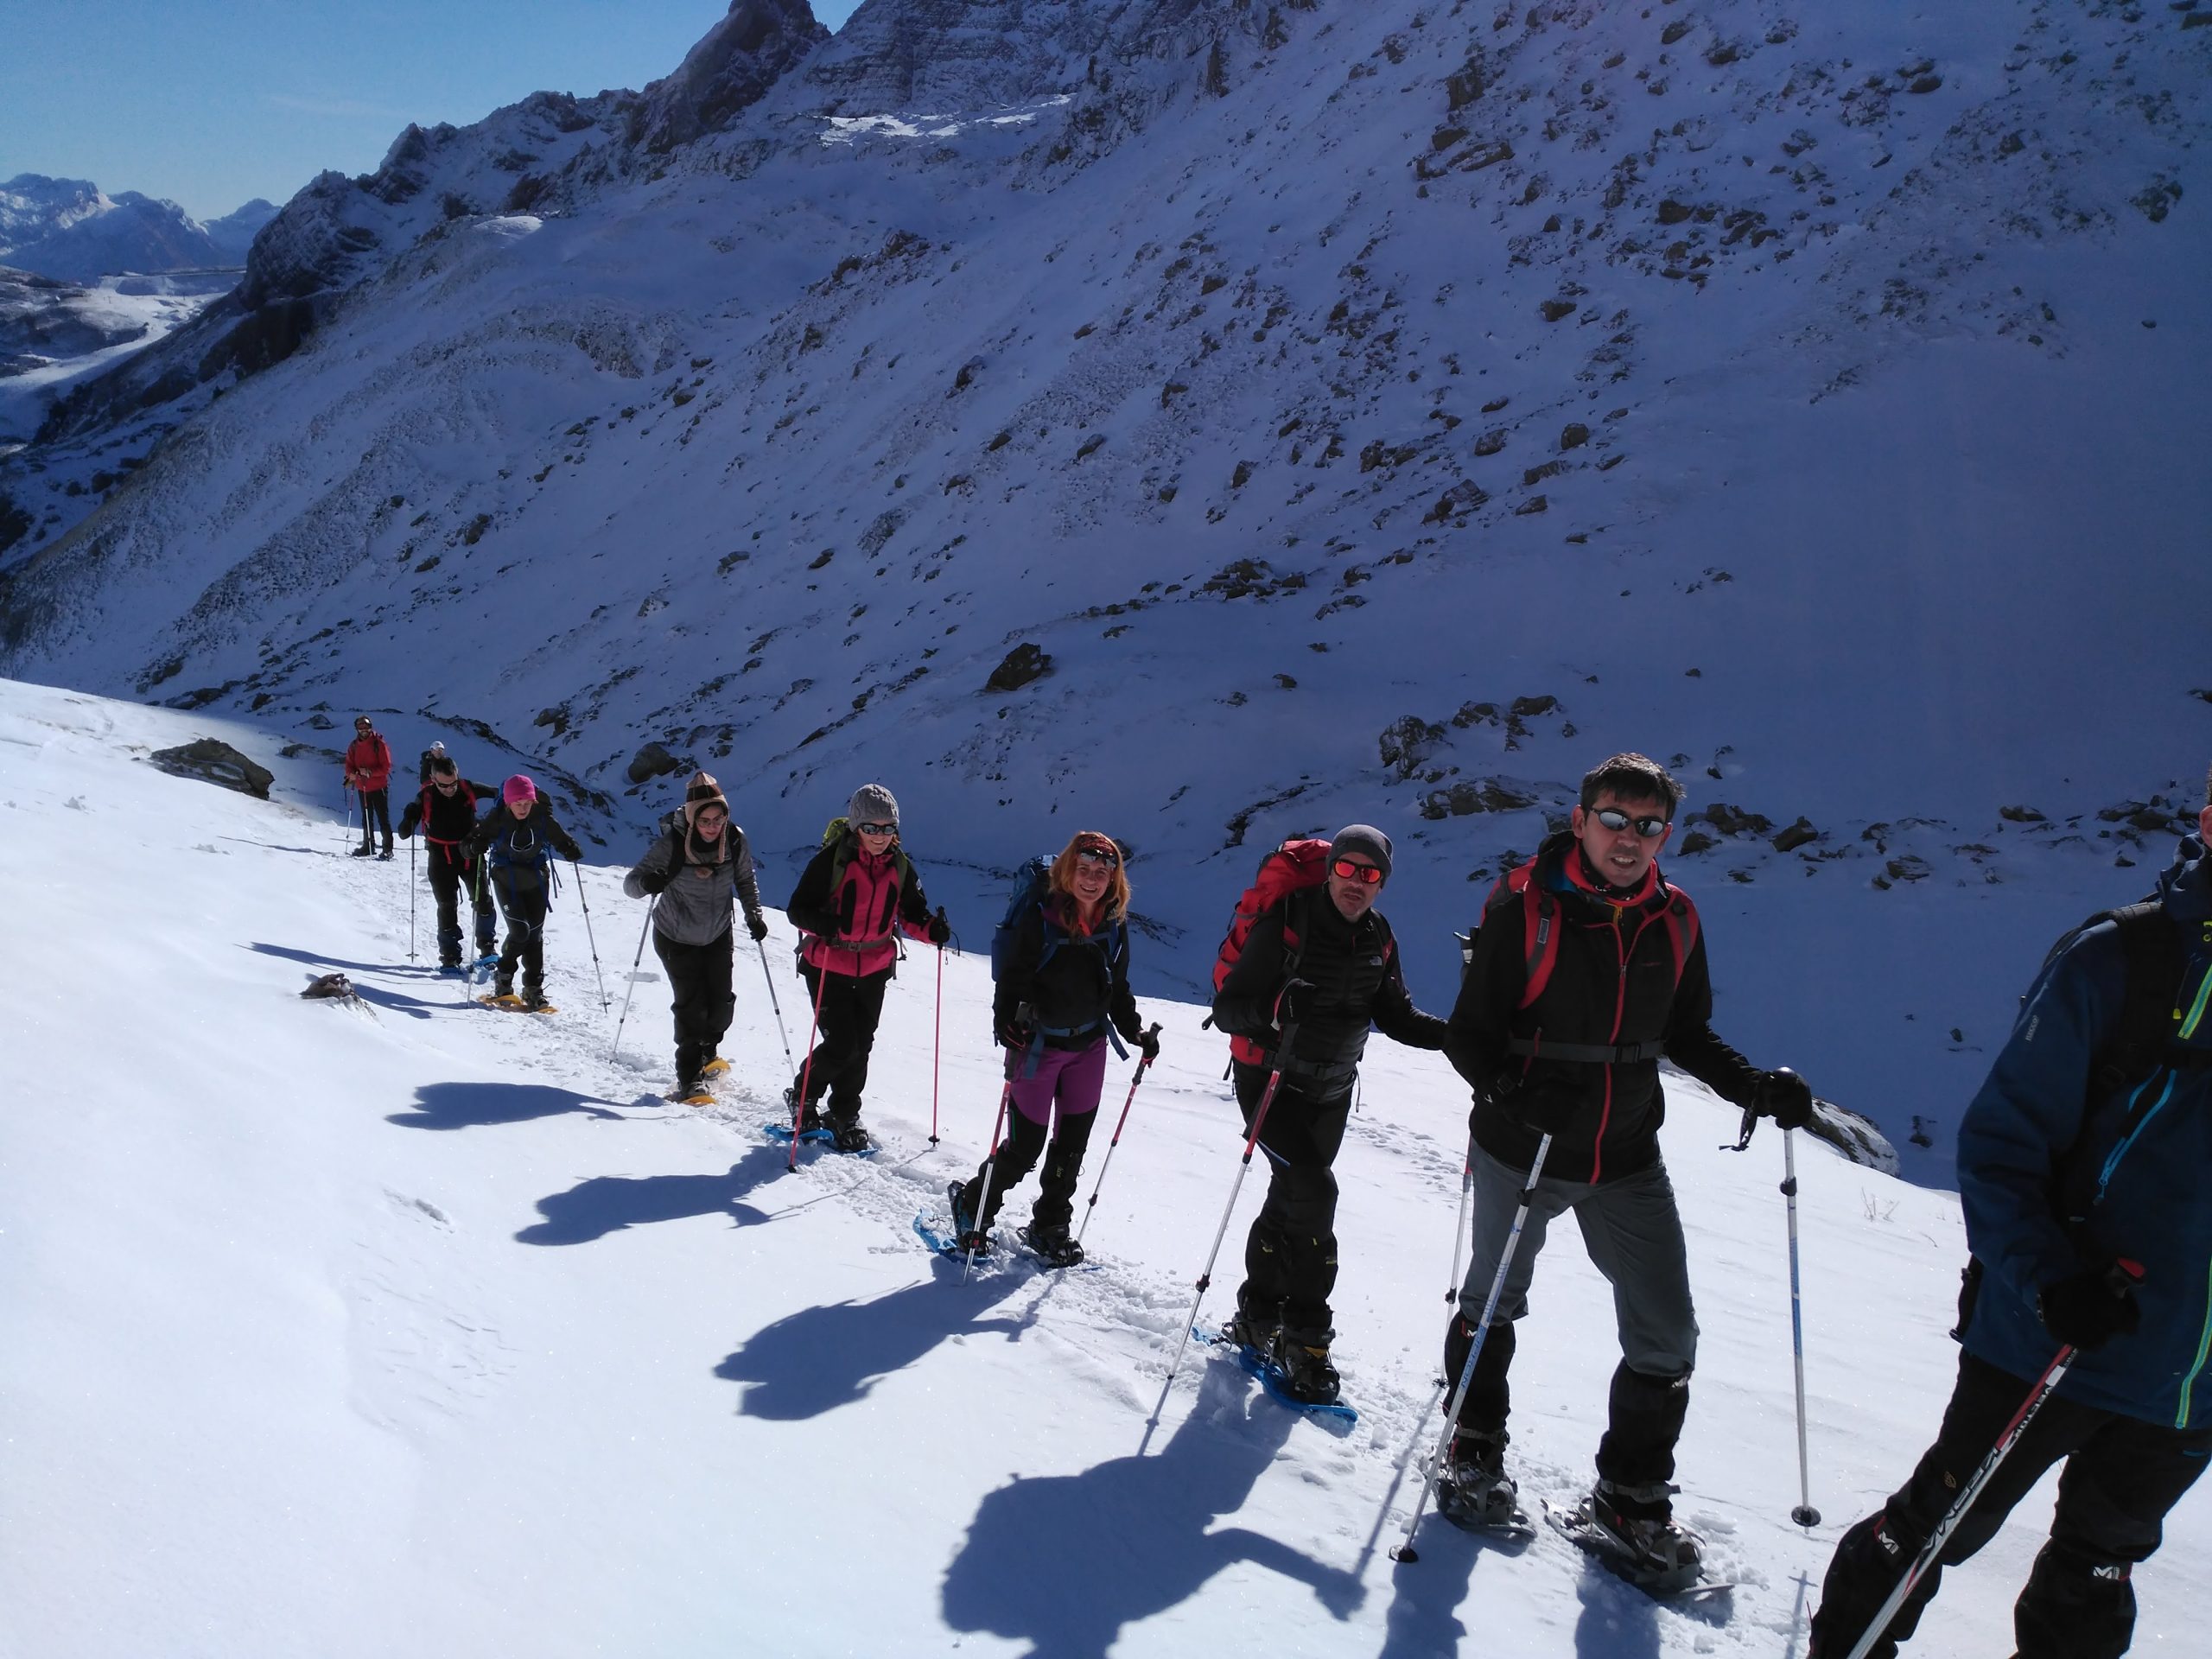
{"points": [[2141, 1154]]}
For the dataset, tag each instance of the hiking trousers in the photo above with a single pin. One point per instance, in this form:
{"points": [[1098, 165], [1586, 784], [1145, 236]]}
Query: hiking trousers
{"points": [[1071, 1080], [1634, 1235], [1290, 1254], [524, 909], [2122, 1475], [376, 814], [448, 877], [698, 984], [851, 1006]]}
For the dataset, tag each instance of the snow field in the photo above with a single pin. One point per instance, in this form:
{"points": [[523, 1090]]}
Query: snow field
{"points": [[348, 1331]]}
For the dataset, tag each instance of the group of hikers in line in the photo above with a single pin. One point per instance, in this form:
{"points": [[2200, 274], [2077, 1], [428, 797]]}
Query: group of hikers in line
{"points": [[1588, 968]]}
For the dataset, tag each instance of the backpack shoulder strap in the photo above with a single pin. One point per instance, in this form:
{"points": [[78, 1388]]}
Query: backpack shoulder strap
{"points": [[2153, 949], [1540, 925]]}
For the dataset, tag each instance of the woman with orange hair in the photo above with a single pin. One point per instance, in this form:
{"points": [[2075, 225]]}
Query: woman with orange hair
{"points": [[1064, 982]]}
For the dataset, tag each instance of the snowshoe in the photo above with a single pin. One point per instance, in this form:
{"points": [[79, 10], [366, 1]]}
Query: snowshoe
{"points": [[362, 852], [1052, 1245], [1634, 1536], [847, 1134], [484, 967], [451, 971], [692, 1094], [715, 1067], [533, 998]]}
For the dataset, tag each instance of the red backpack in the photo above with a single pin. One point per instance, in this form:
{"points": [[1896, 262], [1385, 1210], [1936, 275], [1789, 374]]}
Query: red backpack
{"points": [[1290, 868]]}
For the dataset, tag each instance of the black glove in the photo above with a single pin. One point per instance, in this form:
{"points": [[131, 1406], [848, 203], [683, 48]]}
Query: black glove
{"points": [[2090, 1308], [1294, 1002], [1015, 1032], [1148, 1042], [1542, 1106], [1784, 1096], [758, 927], [939, 929]]}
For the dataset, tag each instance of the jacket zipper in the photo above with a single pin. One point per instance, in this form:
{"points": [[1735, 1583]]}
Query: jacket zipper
{"points": [[2112, 1164], [2203, 1352], [1620, 1012]]}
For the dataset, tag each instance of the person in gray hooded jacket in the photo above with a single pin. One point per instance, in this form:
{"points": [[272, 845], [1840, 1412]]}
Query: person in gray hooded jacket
{"points": [[697, 867]]}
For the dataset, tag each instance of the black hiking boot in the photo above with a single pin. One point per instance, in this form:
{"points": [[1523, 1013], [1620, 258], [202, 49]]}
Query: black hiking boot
{"points": [[1301, 1361], [846, 1133], [965, 1233], [1640, 1522], [1253, 1327], [1054, 1244], [533, 997], [1472, 1489]]}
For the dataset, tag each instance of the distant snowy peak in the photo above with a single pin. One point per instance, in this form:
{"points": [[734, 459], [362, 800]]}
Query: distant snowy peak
{"points": [[233, 233], [72, 229]]}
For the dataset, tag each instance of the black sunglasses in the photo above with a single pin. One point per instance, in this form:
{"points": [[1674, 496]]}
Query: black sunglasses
{"points": [[1614, 818], [877, 829], [1099, 855]]}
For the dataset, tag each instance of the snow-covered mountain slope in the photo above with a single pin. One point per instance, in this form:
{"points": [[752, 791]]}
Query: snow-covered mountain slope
{"points": [[1311, 413], [415, 1327], [53, 335], [72, 229]]}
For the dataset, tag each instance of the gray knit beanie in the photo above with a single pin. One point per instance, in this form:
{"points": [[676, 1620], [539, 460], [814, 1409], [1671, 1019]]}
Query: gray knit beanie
{"points": [[872, 803], [1365, 840]]}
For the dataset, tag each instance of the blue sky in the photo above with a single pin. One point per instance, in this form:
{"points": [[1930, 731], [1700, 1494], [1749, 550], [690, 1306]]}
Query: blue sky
{"points": [[212, 102]]}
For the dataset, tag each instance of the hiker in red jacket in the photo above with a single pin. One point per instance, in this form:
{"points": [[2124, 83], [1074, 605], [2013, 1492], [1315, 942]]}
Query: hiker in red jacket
{"points": [[368, 770]]}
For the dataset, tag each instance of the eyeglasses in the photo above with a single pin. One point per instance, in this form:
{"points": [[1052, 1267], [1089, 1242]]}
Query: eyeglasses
{"points": [[1103, 857], [1614, 818], [711, 820], [877, 829], [1366, 874]]}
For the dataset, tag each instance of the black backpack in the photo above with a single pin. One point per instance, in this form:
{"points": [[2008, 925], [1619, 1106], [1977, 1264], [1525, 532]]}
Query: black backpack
{"points": [[2155, 955]]}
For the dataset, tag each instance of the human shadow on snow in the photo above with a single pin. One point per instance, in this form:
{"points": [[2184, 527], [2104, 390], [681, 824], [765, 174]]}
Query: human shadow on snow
{"points": [[820, 1358], [1066, 1562], [608, 1203], [485, 1105]]}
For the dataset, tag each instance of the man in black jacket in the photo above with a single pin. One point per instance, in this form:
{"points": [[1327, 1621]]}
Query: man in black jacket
{"points": [[446, 813], [1589, 966], [1322, 965]]}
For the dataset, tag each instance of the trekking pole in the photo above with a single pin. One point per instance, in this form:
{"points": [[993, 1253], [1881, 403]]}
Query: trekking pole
{"points": [[990, 1172], [1108, 1162], [614, 1052], [937, 1043], [789, 1063], [2047, 1384], [1459, 1237], [1259, 1117], [1405, 1551], [347, 790], [605, 1002], [806, 1078], [411, 897], [1804, 1515]]}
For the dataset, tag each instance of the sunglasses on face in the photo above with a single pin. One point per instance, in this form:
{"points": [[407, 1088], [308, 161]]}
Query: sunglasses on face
{"points": [[1366, 874], [447, 784], [1614, 818], [1100, 857], [877, 829]]}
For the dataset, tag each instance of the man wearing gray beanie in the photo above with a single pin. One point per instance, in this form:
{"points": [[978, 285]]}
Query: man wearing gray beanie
{"points": [[1318, 967]]}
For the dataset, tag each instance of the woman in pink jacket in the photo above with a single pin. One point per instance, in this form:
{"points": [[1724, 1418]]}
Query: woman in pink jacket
{"points": [[856, 897]]}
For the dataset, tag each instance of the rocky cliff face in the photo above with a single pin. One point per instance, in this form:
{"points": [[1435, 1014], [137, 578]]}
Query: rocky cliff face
{"points": [[726, 73]]}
